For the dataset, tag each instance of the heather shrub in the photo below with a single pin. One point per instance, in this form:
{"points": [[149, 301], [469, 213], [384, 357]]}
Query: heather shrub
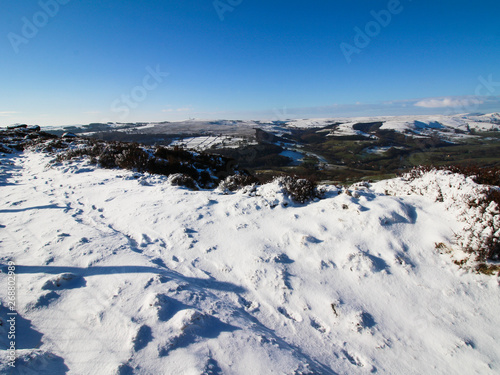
{"points": [[206, 179], [236, 182], [488, 269], [480, 175], [174, 155], [179, 179], [299, 189], [132, 157], [479, 209], [106, 160], [200, 167]]}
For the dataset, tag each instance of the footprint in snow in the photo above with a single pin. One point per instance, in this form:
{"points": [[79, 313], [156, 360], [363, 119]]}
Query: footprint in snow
{"points": [[362, 322], [317, 325], [62, 236], [17, 203], [145, 241], [241, 226], [283, 259], [308, 240], [404, 261], [290, 314], [365, 264], [366, 321], [248, 305], [143, 337], [77, 213], [157, 279], [353, 358], [328, 264], [212, 368]]}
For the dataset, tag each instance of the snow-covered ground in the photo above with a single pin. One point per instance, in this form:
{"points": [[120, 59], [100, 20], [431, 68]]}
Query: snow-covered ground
{"points": [[346, 129], [121, 273], [207, 142], [447, 123]]}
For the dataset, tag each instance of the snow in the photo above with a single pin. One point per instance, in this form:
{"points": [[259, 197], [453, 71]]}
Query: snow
{"points": [[482, 126], [461, 196], [120, 272], [206, 142], [405, 124], [346, 129], [310, 123]]}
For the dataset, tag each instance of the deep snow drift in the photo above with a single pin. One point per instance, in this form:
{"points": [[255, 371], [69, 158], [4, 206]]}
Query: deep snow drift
{"points": [[121, 273]]}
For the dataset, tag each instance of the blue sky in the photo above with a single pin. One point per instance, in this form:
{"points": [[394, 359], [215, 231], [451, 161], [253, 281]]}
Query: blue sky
{"points": [[75, 62]]}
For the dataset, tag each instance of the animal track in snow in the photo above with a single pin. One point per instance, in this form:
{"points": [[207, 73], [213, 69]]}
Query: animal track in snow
{"points": [[353, 358], [365, 264], [290, 314], [316, 324]]}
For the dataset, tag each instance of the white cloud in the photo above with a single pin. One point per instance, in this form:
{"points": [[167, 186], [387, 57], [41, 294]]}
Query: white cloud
{"points": [[448, 102], [7, 113], [182, 109]]}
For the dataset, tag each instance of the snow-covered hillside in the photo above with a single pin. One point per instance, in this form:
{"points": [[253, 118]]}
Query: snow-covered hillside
{"points": [[410, 124], [121, 273], [205, 134]]}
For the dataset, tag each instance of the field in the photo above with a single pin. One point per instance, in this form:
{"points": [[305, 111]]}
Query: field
{"points": [[327, 150]]}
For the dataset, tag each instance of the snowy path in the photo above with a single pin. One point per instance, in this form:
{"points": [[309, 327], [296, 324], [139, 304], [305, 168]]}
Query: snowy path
{"points": [[122, 273]]}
